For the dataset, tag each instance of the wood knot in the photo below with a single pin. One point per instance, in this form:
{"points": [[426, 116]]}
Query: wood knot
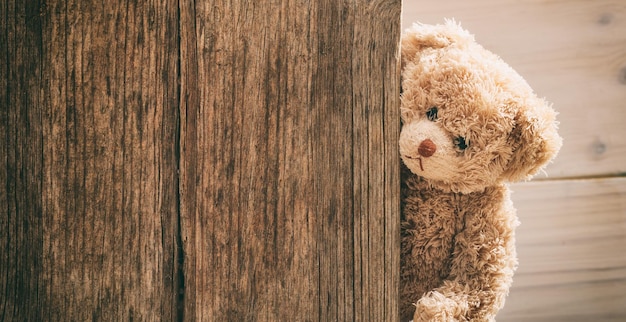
{"points": [[599, 148], [622, 75], [605, 19]]}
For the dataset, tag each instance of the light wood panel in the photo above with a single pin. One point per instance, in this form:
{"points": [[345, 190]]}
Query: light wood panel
{"points": [[571, 52], [572, 251]]}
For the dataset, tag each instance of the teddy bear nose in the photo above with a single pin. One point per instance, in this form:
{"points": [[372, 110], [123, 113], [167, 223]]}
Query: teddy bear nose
{"points": [[427, 148]]}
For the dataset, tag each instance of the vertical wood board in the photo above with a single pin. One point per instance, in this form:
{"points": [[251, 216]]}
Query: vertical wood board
{"points": [[89, 112], [199, 161], [289, 172]]}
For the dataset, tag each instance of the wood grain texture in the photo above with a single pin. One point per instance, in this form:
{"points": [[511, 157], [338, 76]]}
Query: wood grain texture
{"points": [[289, 166], [89, 198], [21, 162], [199, 161], [572, 251], [571, 52]]}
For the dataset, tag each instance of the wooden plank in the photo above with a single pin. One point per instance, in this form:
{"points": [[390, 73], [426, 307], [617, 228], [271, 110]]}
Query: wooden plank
{"points": [[289, 161], [287, 199], [88, 202], [572, 251], [109, 183], [20, 162], [571, 52]]}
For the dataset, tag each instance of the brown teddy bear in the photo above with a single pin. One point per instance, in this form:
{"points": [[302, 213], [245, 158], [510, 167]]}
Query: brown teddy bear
{"points": [[470, 125]]}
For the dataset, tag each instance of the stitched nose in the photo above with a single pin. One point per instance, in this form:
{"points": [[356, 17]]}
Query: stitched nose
{"points": [[427, 148]]}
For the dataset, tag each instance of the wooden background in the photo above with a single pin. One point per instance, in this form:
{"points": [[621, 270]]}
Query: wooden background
{"points": [[201, 160], [572, 241]]}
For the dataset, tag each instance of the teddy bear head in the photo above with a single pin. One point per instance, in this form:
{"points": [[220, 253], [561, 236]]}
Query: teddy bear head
{"points": [[469, 120]]}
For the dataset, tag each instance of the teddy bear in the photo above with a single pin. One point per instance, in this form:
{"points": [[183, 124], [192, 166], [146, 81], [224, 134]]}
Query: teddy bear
{"points": [[470, 126]]}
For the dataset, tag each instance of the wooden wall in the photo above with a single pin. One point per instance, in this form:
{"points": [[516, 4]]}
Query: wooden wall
{"points": [[202, 160], [572, 241]]}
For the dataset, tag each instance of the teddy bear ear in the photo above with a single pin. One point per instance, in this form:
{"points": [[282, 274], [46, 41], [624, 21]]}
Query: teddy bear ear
{"points": [[534, 139], [421, 36]]}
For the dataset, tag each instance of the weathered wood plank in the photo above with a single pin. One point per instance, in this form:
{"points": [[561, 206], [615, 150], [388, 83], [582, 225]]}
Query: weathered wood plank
{"points": [[572, 252], [20, 162], [285, 141], [110, 168], [89, 190], [289, 170], [571, 52], [375, 132]]}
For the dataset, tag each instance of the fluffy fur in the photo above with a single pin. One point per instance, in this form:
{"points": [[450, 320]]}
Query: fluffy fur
{"points": [[470, 125]]}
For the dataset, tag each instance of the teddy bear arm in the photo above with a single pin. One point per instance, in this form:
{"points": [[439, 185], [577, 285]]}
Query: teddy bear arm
{"points": [[445, 303], [481, 271], [457, 301], [477, 299]]}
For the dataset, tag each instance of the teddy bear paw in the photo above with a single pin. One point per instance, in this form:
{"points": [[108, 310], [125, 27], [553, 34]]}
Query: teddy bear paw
{"points": [[435, 307]]}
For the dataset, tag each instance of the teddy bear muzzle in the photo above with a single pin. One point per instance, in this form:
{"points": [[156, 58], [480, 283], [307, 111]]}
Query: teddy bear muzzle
{"points": [[425, 149]]}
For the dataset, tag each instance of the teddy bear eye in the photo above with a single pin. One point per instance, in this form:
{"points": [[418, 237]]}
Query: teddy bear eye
{"points": [[460, 143], [431, 114]]}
